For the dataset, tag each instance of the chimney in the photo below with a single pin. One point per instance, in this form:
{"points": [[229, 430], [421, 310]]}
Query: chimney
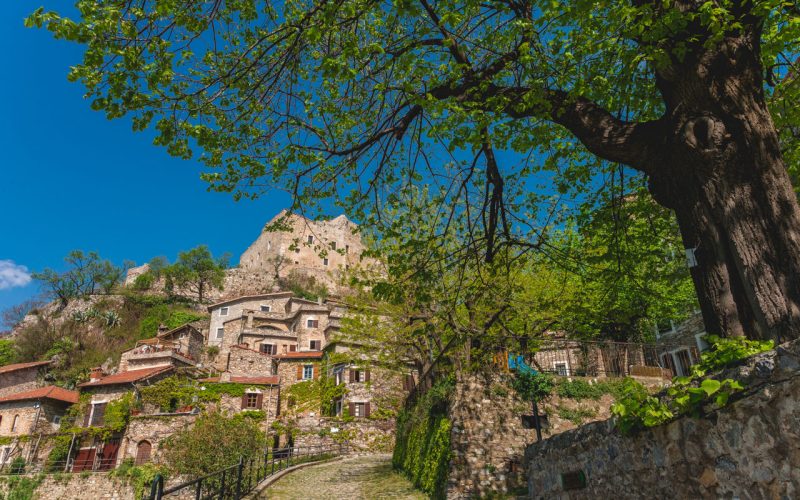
{"points": [[162, 328], [97, 374]]}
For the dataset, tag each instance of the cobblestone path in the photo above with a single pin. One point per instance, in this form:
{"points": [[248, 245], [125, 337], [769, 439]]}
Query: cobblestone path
{"points": [[370, 477]]}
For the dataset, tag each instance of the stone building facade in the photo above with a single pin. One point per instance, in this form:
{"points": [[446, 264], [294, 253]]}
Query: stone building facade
{"points": [[21, 377], [29, 418], [293, 243]]}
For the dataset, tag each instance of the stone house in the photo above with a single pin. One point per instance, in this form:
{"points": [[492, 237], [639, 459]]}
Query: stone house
{"points": [[91, 452], [29, 416], [181, 346], [21, 377], [681, 344], [275, 323], [143, 438], [293, 368]]}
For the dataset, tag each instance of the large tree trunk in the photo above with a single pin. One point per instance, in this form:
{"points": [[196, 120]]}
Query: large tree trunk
{"points": [[720, 168]]}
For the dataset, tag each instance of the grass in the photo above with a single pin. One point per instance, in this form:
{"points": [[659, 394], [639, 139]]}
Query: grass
{"points": [[575, 415]]}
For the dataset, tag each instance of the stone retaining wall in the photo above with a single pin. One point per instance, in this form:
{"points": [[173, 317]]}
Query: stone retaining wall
{"points": [[748, 449], [74, 487]]}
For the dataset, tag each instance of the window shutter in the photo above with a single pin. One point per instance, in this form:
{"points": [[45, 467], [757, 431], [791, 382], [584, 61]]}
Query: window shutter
{"points": [[316, 372], [352, 409], [292, 348], [86, 416], [366, 409], [299, 372], [352, 375], [259, 401], [244, 401], [366, 375]]}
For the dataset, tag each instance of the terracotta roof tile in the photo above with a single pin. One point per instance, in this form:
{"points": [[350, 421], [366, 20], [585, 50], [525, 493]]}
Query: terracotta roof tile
{"points": [[127, 377], [22, 366], [49, 392], [299, 355]]}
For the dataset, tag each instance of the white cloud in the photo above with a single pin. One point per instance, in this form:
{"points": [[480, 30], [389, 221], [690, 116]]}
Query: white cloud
{"points": [[13, 275]]}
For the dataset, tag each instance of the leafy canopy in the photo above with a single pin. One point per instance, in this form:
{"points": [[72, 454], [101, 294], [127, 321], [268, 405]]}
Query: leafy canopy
{"points": [[489, 103]]}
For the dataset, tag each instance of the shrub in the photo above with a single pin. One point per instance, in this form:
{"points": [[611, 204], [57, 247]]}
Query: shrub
{"points": [[190, 451], [533, 386], [17, 466], [579, 389]]}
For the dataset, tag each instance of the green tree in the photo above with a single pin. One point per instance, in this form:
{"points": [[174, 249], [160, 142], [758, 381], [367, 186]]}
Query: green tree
{"points": [[631, 267], [7, 354], [86, 274], [196, 271], [188, 452], [358, 99]]}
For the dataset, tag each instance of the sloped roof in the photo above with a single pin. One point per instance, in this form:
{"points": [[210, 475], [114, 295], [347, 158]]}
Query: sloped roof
{"points": [[249, 297], [299, 355], [185, 326], [127, 377], [49, 392], [272, 380], [22, 366]]}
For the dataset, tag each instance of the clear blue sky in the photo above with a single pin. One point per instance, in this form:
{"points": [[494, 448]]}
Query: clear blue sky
{"points": [[72, 179]]}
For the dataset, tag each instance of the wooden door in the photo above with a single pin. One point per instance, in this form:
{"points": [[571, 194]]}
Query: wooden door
{"points": [[108, 458], [84, 460]]}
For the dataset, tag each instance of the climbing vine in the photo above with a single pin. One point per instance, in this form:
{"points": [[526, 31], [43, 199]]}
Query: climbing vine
{"points": [[636, 408]]}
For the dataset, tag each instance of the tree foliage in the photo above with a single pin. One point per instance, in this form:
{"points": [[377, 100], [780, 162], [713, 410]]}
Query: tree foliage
{"points": [[189, 452], [86, 274], [196, 272]]}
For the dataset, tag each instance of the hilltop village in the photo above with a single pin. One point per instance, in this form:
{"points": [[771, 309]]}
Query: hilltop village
{"points": [[258, 350]]}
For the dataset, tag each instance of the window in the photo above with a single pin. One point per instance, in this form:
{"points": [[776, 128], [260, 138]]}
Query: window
{"points": [[143, 452], [338, 375], [269, 245], [251, 401], [56, 419], [337, 407], [315, 345], [308, 372], [269, 348], [325, 261], [347, 249], [98, 414], [333, 245], [223, 311], [265, 309], [310, 240], [358, 409], [14, 423], [312, 323], [220, 332], [702, 344], [561, 369], [358, 375]]}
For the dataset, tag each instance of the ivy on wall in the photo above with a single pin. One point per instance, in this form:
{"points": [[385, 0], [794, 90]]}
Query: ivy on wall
{"points": [[422, 447]]}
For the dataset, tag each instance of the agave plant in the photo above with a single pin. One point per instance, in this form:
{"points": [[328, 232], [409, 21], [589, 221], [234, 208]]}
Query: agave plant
{"points": [[80, 316], [111, 318]]}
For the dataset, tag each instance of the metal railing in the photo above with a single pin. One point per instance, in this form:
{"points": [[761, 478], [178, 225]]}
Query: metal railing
{"points": [[239, 479]]}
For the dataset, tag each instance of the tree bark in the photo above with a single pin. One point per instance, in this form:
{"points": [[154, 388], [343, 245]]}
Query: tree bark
{"points": [[719, 167]]}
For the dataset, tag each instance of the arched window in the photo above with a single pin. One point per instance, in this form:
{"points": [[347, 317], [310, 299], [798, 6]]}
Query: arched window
{"points": [[14, 423], [143, 452]]}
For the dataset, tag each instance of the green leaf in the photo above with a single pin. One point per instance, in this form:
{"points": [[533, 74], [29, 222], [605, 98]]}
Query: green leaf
{"points": [[710, 386]]}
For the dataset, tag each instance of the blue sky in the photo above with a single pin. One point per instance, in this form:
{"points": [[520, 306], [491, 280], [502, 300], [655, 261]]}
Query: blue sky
{"points": [[73, 180]]}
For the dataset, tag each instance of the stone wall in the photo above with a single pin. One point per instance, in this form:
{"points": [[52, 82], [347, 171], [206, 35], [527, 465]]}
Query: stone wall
{"points": [[244, 361], [361, 434], [748, 449], [154, 429], [308, 246], [19, 381], [487, 437], [75, 487]]}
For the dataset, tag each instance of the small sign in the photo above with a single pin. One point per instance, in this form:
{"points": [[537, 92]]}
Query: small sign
{"points": [[691, 259], [575, 480]]}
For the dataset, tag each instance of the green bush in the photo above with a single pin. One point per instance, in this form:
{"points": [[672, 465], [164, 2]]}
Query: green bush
{"points": [[422, 447], [17, 466]]}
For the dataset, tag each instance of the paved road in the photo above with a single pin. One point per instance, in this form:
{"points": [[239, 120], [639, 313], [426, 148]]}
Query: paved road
{"points": [[368, 478]]}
